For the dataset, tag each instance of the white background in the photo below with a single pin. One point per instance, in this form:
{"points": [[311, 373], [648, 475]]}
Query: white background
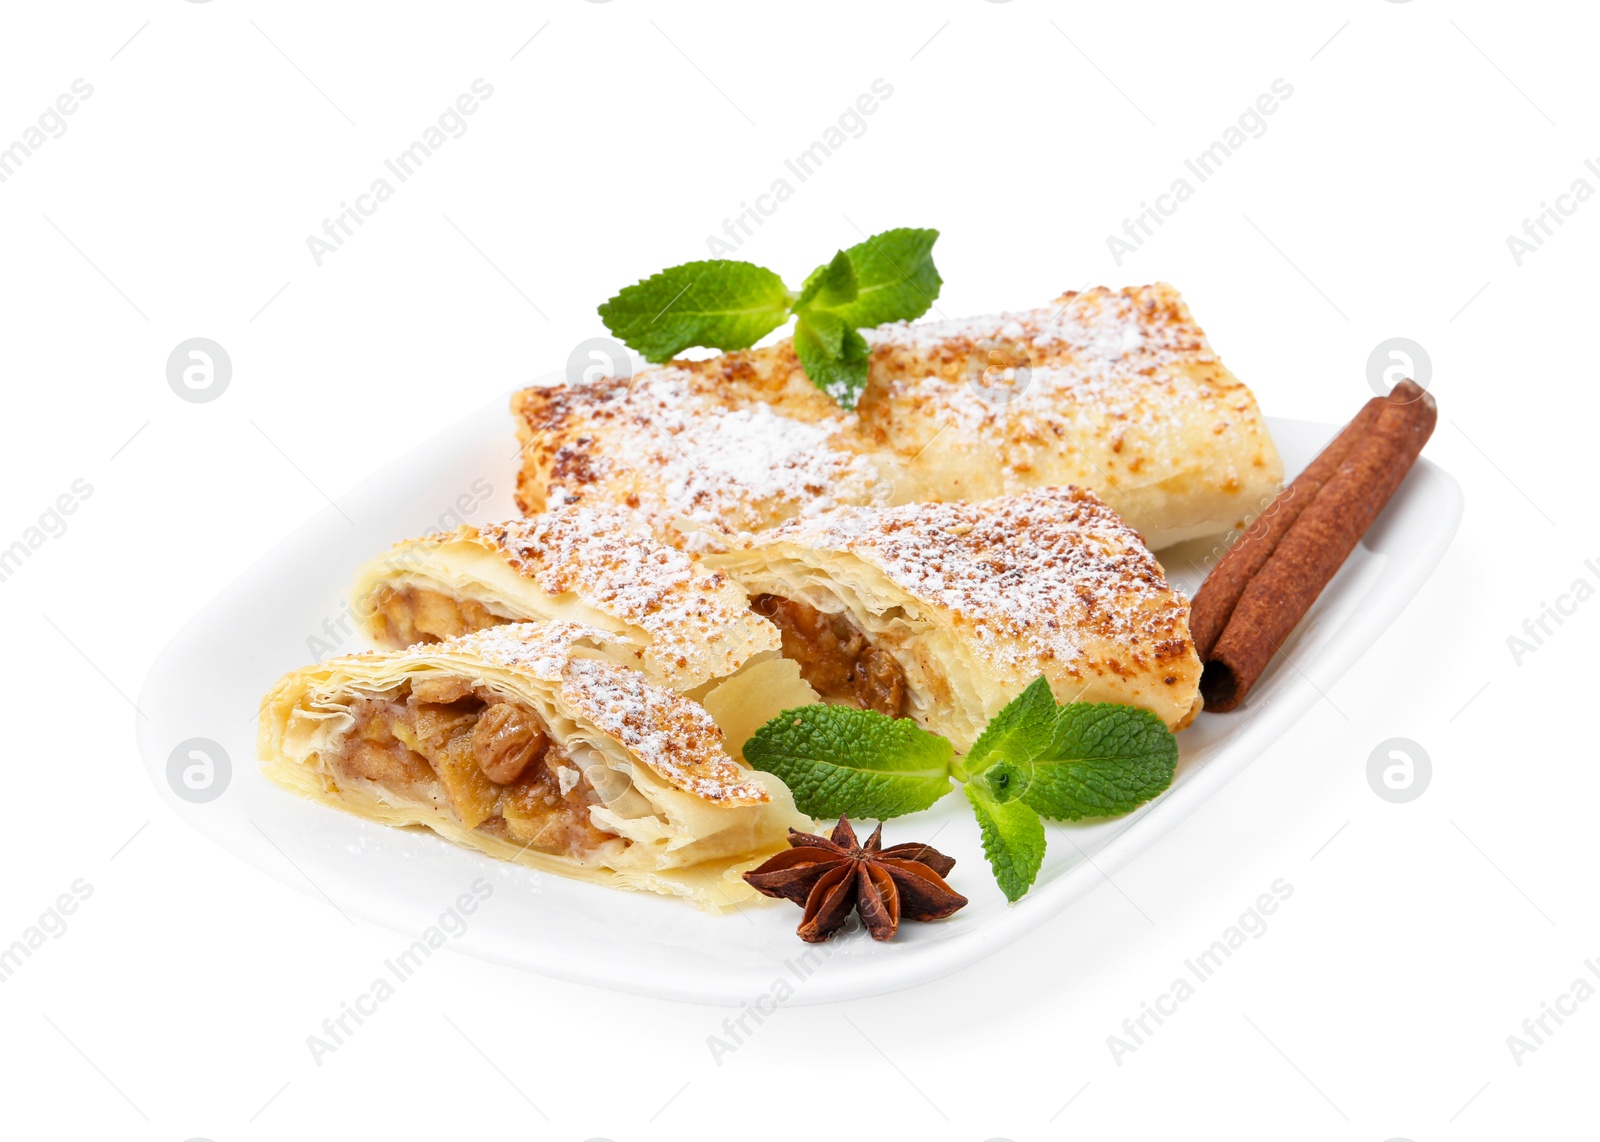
{"points": [[1378, 203]]}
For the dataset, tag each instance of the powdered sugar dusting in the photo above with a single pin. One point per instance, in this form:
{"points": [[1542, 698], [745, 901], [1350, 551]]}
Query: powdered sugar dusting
{"points": [[1093, 360], [540, 650], [714, 459], [699, 620], [1117, 390], [698, 458], [665, 731], [672, 735], [1036, 577]]}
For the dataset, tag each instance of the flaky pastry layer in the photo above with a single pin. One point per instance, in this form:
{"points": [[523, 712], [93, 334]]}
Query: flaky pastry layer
{"points": [[975, 600], [1113, 390], [684, 623], [647, 794]]}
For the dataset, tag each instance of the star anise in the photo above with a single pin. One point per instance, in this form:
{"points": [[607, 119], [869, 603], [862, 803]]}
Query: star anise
{"points": [[830, 877]]}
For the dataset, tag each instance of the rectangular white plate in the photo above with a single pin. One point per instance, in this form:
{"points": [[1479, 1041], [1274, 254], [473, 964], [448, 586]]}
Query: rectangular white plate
{"points": [[208, 681]]}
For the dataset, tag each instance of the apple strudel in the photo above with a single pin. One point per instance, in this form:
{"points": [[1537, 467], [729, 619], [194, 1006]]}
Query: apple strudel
{"points": [[686, 624], [527, 743], [945, 612], [1117, 391]]}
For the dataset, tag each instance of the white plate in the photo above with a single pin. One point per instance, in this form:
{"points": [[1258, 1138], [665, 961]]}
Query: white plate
{"points": [[207, 683]]}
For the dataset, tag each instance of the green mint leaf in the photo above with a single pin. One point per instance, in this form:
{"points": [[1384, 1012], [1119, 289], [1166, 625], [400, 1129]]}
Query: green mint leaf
{"points": [[895, 278], [1005, 781], [823, 332], [840, 761], [713, 304], [833, 355], [1104, 760], [1013, 839], [829, 285], [1019, 733]]}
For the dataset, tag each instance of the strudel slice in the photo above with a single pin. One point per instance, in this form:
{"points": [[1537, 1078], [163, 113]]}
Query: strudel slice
{"points": [[684, 623], [528, 743], [1117, 391], [945, 612]]}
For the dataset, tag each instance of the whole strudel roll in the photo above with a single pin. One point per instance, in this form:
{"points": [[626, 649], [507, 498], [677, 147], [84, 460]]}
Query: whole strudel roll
{"points": [[528, 743], [1116, 391], [686, 624], [945, 612]]}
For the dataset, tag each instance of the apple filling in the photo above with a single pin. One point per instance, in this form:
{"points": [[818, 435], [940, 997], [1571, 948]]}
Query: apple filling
{"points": [[492, 760], [416, 614], [835, 657]]}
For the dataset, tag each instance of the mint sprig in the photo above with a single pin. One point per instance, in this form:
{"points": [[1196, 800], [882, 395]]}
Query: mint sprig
{"points": [[715, 304], [833, 355], [831, 285], [839, 761], [1035, 760], [1104, 760], [895, 278], [1024, 728], [1013, 839], [723, 304]]}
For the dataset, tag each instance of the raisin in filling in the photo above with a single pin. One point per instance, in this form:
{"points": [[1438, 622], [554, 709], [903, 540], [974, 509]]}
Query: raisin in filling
{"points": [[835, 657], [492, 759]]}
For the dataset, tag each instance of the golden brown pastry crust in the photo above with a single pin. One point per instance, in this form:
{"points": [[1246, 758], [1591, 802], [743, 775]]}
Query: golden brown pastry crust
{"points": [[1122, 395], [977, 600], [683, 814], [684, 624]]}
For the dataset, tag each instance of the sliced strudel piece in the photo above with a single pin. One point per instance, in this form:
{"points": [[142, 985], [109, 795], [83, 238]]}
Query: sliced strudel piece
{"points": [[685, 624], [528, 743], [945, 612], [1113, 390]]}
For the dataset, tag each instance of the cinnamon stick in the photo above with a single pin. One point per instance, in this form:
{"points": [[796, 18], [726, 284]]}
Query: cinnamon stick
{"points": [[1275, 579], [1219, 594]]}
